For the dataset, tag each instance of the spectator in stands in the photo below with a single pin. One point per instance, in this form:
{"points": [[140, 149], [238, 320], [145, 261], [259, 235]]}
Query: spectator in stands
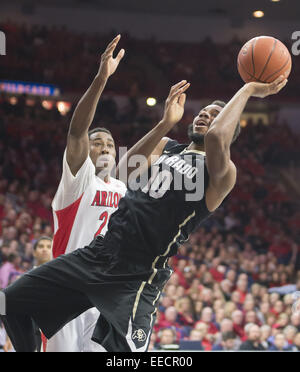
{"points": [[238, 323], [266, 332], [226, 325], [10, 269], [241, 288], [253, 338], [236, 299], [206, 338], [169, 320], [42, 250], [290, 334], [152, 342], [195, 335], [226, 286], [296, 342], [167, 339], [207, 318], [280, 343], [295, 320], [207, 293], [184, 306], [264, 309], [227, 343]]}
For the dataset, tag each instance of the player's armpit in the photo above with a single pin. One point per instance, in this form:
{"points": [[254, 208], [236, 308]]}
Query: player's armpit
{"points": [[218, 189], [77, 151]]}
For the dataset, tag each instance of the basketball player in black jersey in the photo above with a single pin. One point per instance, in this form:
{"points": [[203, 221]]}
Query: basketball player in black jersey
{"points": [[124, 273]]}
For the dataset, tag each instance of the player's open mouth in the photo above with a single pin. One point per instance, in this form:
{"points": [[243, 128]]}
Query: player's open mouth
{"points": [[200, 123]]}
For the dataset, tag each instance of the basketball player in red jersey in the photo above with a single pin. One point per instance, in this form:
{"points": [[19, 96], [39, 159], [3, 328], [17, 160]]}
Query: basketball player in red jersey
{"points": [[86, 197]]}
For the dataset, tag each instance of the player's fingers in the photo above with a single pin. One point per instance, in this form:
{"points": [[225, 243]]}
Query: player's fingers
{"points": [[278, 80], [179, 91], [281, 85], [120, 55], [276, 83], [182, 99], [114, 40], [275, 89], [112, 45], [185, 87], [178, 85], [109, 51]]}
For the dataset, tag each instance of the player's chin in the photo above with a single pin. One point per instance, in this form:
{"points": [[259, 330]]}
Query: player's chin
{"points": [[200, 129]]}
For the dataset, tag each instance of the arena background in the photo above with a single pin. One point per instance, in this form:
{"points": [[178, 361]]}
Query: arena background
{"points": [[242, 266]]}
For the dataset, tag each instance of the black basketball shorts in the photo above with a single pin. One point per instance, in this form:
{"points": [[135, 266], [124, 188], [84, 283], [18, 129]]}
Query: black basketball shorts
{"points": [[62, 289]]}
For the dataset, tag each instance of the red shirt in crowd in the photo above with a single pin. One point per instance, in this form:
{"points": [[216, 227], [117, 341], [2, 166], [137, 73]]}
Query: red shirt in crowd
{"points": [[218, 277]]}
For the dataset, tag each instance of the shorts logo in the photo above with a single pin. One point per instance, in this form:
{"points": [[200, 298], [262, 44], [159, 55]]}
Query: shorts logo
{"points": [[140, 335]]}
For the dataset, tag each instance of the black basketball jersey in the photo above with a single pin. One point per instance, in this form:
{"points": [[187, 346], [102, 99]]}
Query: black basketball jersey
{"points": [[162, 207]]}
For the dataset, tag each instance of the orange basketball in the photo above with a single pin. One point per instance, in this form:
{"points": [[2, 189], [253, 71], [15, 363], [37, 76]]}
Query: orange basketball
{"points": [[264, 59]]}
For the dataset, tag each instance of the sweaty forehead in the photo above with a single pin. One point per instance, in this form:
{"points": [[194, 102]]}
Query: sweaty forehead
{"points": [[102, 136], [212, 108]]}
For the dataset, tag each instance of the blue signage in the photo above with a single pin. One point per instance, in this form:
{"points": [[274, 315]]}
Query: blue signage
{"points": [[36, 89]]}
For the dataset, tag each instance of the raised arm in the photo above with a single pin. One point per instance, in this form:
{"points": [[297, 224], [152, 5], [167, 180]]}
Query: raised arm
{"points": [[78, 141], [153, 143], [222, 172]]}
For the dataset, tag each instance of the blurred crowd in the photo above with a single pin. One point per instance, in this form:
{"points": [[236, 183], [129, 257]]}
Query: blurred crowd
{"points": [[233, 281], [69, 59]]}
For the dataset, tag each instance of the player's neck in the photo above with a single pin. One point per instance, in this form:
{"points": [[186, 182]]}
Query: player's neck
{"points": [[104, 177], [194, 146]]}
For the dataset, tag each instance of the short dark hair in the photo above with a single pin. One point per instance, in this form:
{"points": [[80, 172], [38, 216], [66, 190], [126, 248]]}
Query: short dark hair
{"points": [[98, 129], [39, 239], [11, 257], [219, 103], [238, 126]]}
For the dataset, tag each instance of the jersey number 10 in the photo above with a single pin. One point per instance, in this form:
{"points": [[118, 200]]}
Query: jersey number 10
{"points": [[159, 183]]}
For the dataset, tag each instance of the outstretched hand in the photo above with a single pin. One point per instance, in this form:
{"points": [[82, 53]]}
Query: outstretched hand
{"points": [[263, 90], [174, 106], [108, 63]]}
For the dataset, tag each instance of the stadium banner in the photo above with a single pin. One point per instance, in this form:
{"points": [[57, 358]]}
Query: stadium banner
{"points": [[36, 89]]}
